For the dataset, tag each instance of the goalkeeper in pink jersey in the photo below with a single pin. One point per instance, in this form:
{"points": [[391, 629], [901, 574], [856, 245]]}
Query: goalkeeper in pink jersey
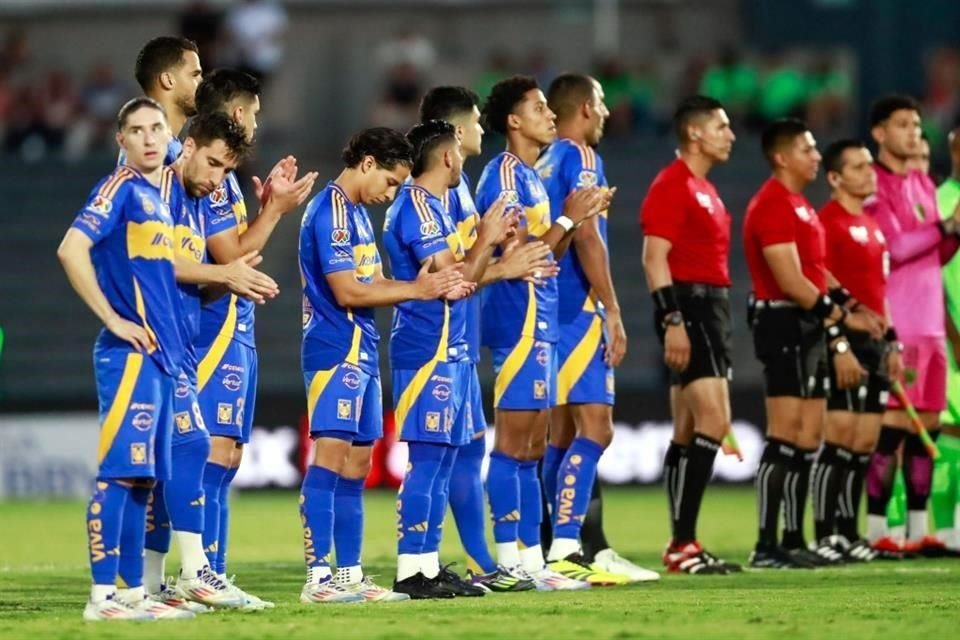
{"points": [[919, 243]]}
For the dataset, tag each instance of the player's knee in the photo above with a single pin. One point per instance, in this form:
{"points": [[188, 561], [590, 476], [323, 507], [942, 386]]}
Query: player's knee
{"points": [[237, 455], [331, 453], [221, 451], [357, 466]]}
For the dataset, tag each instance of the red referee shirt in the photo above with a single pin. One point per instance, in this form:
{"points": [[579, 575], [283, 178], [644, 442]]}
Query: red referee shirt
{"points": [[856, 254], [687, 211], [776, 215]]}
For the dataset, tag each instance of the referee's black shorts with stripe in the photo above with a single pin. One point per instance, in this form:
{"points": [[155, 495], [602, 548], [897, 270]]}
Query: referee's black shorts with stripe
{"points": [[706, 315], [871, 395], [791, 344]]}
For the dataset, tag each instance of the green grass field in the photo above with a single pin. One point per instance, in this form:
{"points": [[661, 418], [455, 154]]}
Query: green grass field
{"points": [[44, 582]]}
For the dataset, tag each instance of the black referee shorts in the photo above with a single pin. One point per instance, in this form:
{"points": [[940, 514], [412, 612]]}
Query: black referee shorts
{"points": [[706, 314], [791, 345], [871, 396]]}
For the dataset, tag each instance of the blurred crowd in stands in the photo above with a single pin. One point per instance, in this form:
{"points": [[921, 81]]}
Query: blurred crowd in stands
{"points": [[50, 111]]}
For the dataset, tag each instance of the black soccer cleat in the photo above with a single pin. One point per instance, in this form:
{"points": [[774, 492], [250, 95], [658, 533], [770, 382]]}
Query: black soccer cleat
{"points": [[450, 581], [775, 557], [419, 587]]}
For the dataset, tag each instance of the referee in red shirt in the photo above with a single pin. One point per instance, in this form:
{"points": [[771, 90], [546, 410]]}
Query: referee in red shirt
{"points": [[857, 258], [686, 247], [791, 316]]}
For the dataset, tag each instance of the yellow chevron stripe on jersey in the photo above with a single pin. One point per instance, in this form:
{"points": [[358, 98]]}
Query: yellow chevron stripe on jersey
{"points": [[152, 240], [467, 230], [411, 393], [142, 312], [188, 244], [572, 369], [118, 408], [219, 347], [364, 257], [538, 218]]}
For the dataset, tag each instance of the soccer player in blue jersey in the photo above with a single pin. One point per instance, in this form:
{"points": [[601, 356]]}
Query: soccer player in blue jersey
{"points": [[343, 282], [227, 372], [592, 339], [214, 145], [119, 258], [520, 324], [168, 70], [429, 354], [460, 107]]}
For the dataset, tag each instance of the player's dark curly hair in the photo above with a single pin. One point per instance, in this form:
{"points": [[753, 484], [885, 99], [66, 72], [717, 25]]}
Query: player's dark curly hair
{"points": [[160, 55], [135, 105], [446, 103], [885, 106], [223, 86], [503, 99], [387, 146], [425, 138], [690, 108], [833, 156], [779, 134], [207, 128]]}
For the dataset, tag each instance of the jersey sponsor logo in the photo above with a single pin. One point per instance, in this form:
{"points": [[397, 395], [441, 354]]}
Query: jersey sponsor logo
{"points": [[351, 380], [432, 421], [182, 420], [90, 220], [803, 213], [101, 206], [183, 387], [152, 240], [539, 389], [232, 382], [224, 413], [705, 201], [231, 367], [545, 171], [340, 237], [219, 196], [542, 357], [142, 421], [587, 178], [138, 453], [860, 235], [441, 392], [430, 229], [511, 197], [344, 409]]}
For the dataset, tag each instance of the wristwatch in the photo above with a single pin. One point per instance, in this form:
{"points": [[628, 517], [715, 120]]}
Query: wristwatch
{"points": [[674, 318], [841, 347]]}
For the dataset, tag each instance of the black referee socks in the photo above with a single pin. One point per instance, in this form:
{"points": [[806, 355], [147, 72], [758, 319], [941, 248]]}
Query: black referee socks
{"points": [[671, 482], [774, 463], [696, 468], [796, 486], [828, 472]]}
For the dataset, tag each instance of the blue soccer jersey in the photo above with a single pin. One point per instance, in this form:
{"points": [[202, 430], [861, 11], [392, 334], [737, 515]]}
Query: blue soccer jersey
{"points": [[231, 317], [565, 167], [463, 212], [514, 308], [416, 228], [190, 245], [336, 235], [583, 377], [130, 223]]}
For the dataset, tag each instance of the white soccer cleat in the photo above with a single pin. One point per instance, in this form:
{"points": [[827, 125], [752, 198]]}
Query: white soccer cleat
{"points": [[111, 608], [547, 579], [327, 592], [372, 592], [206, 588], [159, 610], [612, 562], [250, 601], [169, 596]]}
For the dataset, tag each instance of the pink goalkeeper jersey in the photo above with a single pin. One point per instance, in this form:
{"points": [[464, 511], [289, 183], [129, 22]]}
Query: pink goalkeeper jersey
{"points": [[905, 208]]}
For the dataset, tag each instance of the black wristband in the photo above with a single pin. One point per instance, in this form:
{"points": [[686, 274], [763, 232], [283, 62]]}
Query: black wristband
{"points": [[839, 295], [665, 300], [835, 331], [823, 307], [890, 335]]}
